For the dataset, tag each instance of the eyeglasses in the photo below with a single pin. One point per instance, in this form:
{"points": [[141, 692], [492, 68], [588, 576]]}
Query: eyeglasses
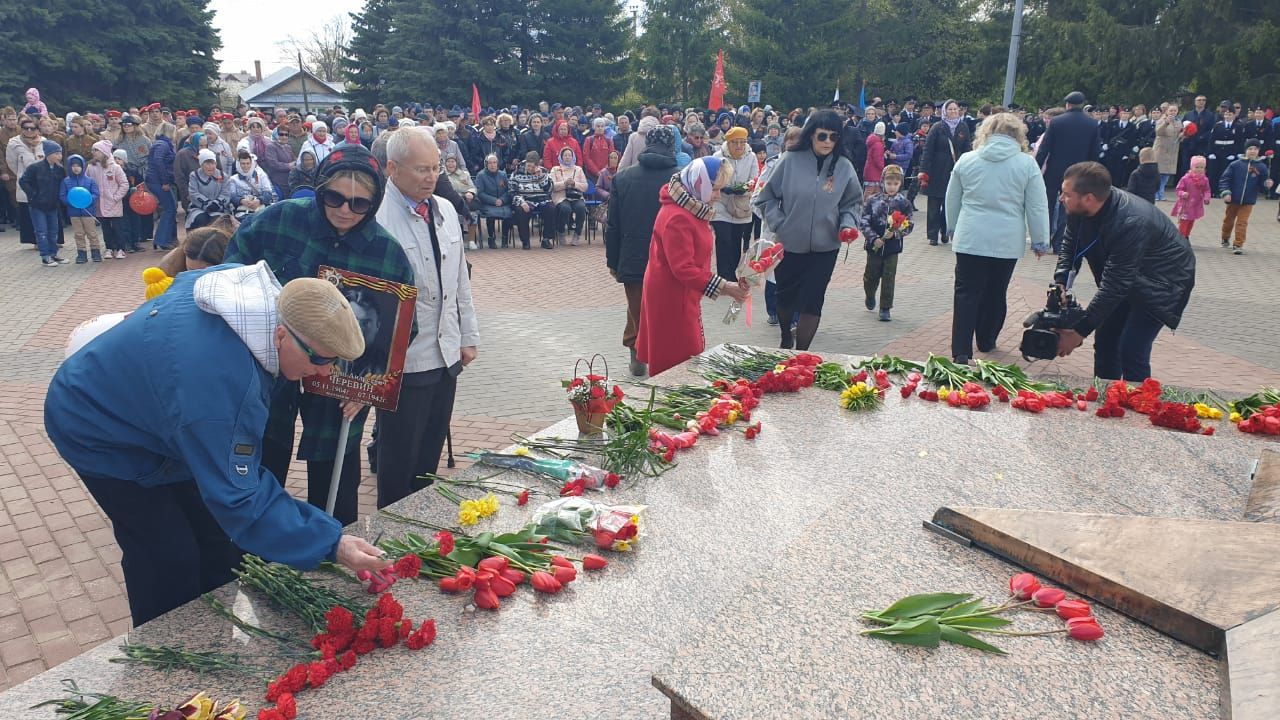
{"points": [[335, 199], [826, 136], [25, 128], [315, 358]]}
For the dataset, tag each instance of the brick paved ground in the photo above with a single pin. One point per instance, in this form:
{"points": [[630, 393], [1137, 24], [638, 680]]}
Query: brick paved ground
{"points": [[60, 581]]}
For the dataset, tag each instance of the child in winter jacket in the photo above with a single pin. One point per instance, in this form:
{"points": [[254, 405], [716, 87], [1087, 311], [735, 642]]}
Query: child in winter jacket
{"points": [[112, 188], [1144, 181], [883, 241], [1193, 194], [83, 221], [871, 171], [1239, 186]]}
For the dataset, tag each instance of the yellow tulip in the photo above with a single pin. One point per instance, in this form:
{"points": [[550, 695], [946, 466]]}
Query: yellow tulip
{"points": [[943, 392], [468, 516], [523, 451], [1236, 417]]}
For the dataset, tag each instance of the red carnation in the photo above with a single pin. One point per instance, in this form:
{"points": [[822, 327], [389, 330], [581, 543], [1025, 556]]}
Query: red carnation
{"points": [[347, 660], [408, 566], [445, 540], [339, 620], [287, 705], [523, 498]]}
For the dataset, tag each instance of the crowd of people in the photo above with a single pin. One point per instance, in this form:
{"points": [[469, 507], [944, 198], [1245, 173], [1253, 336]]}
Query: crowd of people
{"points": [[398, 193]]}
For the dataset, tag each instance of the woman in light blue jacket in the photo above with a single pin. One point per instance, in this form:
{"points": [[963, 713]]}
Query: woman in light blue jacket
{"points": [[995, 199]]}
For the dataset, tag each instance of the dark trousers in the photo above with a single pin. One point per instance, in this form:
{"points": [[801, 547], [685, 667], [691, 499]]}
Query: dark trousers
{"points": [[277, 454], [411, 438], [1122, 344], [172, 550], [111, 235], [524, 220], [571, 216], [981, 290], [26, 231], [276, 457], [7, 212], [881, 271], [730, 238], [936, 220]]}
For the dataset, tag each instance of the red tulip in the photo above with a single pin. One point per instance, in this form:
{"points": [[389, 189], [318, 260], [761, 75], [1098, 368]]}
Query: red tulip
{"points": [[544, 582], [1069, 609], [564, 575], [450, 585], [502, 587], [561, 561], [513, 576], [1047, 597], [593, 562], [1023, 585], [495, 564], [1084, 629], [486, 598]]}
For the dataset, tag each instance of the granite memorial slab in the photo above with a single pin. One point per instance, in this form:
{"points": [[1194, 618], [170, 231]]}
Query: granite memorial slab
{"points": [[741, 599]]}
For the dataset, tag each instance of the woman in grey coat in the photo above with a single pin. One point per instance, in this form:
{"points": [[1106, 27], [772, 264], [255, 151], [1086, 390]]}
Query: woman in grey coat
{"points": [[812, 195], [208, 192]]}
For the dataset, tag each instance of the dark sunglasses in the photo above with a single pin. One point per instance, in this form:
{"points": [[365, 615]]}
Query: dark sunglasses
{"points": [[315, 358], [825, 136], [28, 127], [335, 199]]}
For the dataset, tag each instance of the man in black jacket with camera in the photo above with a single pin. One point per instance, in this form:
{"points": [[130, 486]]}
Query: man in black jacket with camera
{"points": [[1143, 267]]}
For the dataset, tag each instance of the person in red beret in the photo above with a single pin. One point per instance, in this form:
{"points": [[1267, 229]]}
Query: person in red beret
{"points": [[156, 125]]}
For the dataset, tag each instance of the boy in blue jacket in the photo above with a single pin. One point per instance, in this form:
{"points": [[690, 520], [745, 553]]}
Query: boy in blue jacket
{"points": [[1239, 187], [83, 221]]}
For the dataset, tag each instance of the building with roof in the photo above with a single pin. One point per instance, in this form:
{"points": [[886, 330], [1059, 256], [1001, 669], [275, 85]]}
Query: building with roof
{"points": [[291, 87]]}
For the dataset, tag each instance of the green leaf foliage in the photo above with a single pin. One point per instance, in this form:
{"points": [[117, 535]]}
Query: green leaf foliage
{"points": [[924, 632], [916, 605], [960, 637], [93, 54], [521, 52]]}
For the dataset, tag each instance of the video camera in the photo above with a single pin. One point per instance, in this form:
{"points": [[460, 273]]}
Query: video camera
{"points": [[1039, 341]]}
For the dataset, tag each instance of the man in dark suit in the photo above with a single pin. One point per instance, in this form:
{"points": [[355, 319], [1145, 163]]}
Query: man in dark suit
{"points": [[1197, 144], [1070, 138]]}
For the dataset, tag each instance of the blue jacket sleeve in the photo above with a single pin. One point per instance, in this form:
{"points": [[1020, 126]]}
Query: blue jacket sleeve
{"points": [[63, 189], [222, 446]]}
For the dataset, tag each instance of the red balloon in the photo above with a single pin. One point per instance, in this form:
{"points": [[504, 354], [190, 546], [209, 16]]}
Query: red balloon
{"points": [[143, 202]]}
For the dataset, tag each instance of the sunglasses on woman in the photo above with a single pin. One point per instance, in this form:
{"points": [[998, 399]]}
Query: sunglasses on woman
{"points": [[315, 358], [821, 136], [335, 199]]}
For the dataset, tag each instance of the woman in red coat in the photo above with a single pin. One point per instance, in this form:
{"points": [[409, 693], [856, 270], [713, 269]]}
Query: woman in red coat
{"points": [[678, 275]]}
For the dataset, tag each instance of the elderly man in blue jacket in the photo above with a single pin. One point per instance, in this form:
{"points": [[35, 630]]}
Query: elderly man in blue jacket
{"points": [[173, 457]]}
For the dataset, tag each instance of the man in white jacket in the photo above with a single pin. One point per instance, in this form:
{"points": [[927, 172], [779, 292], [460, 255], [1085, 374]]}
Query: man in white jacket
{"points": [[411, 438]]}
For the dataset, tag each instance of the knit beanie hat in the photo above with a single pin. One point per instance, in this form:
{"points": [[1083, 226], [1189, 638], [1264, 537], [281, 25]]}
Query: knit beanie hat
{"points": [[661, 140], [892, 171], [121, 154], [157, 282], [736, 133], [316, 310], [879, 129], [207, 155], [50, 147]]}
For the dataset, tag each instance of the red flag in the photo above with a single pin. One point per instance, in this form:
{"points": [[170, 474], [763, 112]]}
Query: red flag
{"points": [[475, 103], [717, 84]]}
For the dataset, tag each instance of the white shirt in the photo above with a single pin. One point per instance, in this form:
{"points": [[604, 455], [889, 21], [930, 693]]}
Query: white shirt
{"points": [[446, 315]]}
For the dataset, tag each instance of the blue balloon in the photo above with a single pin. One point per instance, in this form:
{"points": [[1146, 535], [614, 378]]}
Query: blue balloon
{"points": [[79, 198]]}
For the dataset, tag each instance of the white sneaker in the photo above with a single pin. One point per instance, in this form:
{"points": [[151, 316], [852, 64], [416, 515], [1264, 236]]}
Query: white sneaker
{"points": [[472, 245], [119, 254]]}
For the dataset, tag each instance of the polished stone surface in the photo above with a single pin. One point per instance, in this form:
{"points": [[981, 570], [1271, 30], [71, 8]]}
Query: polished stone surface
{"points": [[756, 556]]}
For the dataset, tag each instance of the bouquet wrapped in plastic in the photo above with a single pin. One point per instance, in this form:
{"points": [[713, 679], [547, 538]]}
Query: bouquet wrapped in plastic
{"points": [[757, 262], [564, 470], [578, 520]]}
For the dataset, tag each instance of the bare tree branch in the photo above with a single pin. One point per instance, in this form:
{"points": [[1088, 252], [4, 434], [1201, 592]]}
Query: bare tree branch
{"points": [[323, 50]]}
